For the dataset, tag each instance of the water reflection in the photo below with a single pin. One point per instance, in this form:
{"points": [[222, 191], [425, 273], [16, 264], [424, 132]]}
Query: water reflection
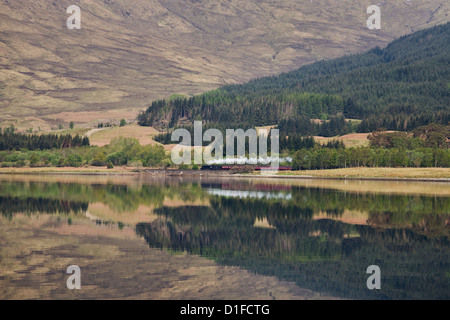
{"points": [[322, 239], [323, 255]]}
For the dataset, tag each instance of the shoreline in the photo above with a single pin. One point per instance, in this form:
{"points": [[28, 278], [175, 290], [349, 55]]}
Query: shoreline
{"points": [[376, 174]]}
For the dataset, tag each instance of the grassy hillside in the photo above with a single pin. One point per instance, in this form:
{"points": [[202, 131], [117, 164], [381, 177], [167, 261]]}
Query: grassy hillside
{"points": [[128, 53], [101, 137], [400, 87]]}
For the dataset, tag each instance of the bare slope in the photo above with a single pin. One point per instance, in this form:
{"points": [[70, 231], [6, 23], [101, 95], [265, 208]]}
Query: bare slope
{"points": [[129, 52]]}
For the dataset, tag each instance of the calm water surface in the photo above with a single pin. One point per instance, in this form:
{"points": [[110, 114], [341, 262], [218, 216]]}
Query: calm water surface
{"points": [[201, 238]]}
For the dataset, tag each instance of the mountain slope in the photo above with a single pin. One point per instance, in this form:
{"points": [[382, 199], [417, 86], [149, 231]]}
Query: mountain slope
{"points": [[130, 52], [410, 77]]}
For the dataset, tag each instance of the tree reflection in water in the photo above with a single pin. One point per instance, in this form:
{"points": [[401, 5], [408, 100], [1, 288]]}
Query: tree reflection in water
{"points": [[325, 255], [296, 233]]}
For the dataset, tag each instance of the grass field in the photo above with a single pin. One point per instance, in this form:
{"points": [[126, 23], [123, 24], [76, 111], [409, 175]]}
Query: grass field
{"points": [[74, 131], [363, 173], [74, 170], [408, 173], [104, 136], [350, 140]]}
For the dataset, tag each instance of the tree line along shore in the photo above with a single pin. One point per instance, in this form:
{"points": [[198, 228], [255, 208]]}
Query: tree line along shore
{"points": [[427, 147]]}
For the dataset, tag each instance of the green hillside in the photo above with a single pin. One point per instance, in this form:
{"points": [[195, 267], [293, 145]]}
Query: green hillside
{"points": [[400, 87]]}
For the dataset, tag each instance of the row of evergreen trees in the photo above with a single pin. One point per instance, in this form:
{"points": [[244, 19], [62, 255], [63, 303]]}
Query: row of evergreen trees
{"points": [[403, 121], [334, 126], [258, 109], [400, 87], [327, 158], [11, 140], [288, 143]]}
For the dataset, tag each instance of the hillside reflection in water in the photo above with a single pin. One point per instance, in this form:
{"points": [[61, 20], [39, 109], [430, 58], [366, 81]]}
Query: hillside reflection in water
{"points": [[319, 237]]}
